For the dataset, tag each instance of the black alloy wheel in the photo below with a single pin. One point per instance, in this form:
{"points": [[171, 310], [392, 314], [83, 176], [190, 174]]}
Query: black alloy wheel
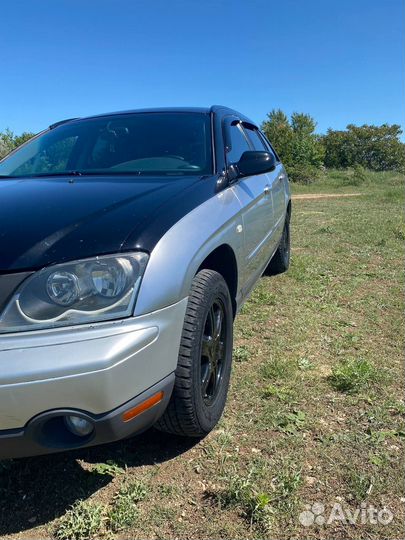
{"points": [[213, 351], [205, 359]]}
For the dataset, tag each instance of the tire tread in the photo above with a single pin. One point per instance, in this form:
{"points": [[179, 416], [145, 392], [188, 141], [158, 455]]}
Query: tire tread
{"points": [[179, 417]]}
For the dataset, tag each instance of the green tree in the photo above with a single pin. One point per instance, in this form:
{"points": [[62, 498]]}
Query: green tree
{"points": [[21, 139], [374, 147], [306, 147], [6, 142], [9, 141], [295, 140], [279, 132]]}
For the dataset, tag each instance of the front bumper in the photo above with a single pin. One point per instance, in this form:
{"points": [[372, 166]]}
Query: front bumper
{"points": [[47, 432], [94, 369]]}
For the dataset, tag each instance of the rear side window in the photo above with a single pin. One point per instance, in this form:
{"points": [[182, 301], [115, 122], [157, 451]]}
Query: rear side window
{"points": [[239, 143], [269, 147], [255, 139]]}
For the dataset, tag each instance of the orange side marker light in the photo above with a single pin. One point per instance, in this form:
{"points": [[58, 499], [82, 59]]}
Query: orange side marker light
{"points": [[142, 407]]}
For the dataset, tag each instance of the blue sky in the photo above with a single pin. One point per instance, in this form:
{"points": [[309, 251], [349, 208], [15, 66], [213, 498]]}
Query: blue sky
{"points": [[340, 61]]}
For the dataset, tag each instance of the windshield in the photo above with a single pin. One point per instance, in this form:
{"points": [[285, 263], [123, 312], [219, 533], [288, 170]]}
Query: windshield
{"points": [[161, 143]]}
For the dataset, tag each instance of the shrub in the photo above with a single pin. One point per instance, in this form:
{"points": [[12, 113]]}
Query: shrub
{"points": [[304, 174], [358, 176]]}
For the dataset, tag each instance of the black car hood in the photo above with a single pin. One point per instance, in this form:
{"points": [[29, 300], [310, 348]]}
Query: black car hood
{"points": [[50, 220]]}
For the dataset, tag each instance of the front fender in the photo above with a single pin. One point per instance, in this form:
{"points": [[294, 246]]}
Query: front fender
{"points": [[179, 253]]}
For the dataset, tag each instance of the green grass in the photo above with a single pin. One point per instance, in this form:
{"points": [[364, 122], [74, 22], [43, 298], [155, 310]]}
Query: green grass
{"points": [[258, 507], [124, 512], [109, 468], [353, 374], [86, 519], [315, 411], [241, 353], [82, 522]]}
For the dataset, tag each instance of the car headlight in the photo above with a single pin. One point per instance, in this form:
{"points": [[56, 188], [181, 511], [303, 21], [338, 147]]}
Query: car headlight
{"points": [[90, 290]]}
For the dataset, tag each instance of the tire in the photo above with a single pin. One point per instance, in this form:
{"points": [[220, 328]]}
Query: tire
{"points": [[205, 359], [280, 261]]}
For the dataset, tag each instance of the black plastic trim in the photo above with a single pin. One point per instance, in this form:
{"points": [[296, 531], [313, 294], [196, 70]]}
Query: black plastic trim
{"points": [[8, 284]]}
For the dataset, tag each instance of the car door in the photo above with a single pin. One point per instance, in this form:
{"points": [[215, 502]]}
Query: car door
{"points": [[254, 194], [272, 184], [278, 179]]}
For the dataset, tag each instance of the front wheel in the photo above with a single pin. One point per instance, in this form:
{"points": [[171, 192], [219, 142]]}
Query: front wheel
{"points": [[205, 358]]}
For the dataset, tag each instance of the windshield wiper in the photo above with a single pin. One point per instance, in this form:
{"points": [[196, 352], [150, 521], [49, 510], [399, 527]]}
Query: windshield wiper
{"points": [[65, 173], [103, 172], [49, 174]]}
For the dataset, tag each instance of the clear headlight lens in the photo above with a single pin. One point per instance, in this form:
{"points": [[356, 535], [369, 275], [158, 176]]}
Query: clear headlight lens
{"points": [[63, 288], [90, 290]]}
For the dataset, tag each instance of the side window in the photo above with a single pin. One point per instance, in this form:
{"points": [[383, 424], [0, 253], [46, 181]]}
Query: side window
{"points": [[255, 139], [239, 143], [269, 147]]}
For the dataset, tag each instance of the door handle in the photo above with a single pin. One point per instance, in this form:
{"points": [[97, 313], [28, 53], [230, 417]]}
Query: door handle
{"points": [[266, 189]]}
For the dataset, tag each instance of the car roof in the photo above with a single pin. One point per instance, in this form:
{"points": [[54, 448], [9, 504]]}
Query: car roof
{"points": [[220, 110]]}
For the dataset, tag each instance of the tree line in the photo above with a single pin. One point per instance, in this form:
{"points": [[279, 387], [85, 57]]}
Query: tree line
{"points": [[304, 152], [9, 141]]}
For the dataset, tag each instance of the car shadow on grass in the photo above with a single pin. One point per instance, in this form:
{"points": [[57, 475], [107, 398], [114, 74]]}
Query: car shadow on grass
{"points": [[35, 491]]}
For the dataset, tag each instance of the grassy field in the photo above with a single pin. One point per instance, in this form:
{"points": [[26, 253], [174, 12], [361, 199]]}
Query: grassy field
{"points": [[315, 412]]}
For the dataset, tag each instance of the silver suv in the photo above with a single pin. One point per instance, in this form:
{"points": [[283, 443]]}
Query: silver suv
{"points": [[128, 243]]}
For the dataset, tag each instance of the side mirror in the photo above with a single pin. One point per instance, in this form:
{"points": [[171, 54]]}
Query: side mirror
{"points": [[254, 162]]}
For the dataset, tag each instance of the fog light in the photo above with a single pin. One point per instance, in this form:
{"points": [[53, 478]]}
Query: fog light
{"points": [[78, 426]]}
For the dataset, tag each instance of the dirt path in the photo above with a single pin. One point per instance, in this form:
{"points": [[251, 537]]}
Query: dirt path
{"points": [[325, 195]]}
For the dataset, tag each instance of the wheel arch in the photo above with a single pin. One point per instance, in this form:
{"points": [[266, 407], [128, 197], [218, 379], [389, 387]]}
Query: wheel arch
{"points": [[223, 260]]}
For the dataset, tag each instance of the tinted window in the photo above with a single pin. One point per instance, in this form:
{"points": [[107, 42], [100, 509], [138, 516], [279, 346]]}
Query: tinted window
{"points": [[269, 147], [239, 144], [142, 143], [255, 139]]}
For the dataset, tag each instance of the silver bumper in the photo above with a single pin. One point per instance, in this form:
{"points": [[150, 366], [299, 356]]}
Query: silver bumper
{"points": [[94, 368]]}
